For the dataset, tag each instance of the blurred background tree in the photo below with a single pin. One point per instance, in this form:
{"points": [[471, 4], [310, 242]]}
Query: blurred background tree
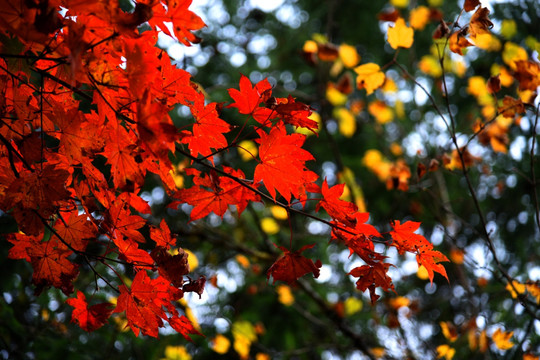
{"points": [[398, 158]]}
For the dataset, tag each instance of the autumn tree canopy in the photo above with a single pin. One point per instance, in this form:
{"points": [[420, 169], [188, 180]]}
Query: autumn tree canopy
{"points": [[237, 179]]}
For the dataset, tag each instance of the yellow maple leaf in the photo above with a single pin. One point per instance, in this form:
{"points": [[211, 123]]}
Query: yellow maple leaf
{"points": [[449, 330], [346, 121], [279, 213], [534, 290], [445, 351], [502, 339], [244, 334], [334, 96], [400, 3], [381, 112], [430, 65], [400, 35], [352, 305], [348, 55], [269, 226], [370, 77], [221, 344], [419, 17], [285, 295], [508, 28], [512, 53], [176, 353]]}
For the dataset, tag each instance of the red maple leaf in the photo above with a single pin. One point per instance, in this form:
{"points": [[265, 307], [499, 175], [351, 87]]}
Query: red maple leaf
{"points": [[358, 235], [183, 326], [335, 207], [208, 130], [89, 318], [124, 156], [430, 260], [171, 267], [162, 235], [295, 113], [120, 220], [36, 194], [214, 193], [282, 163], [183, 20], [248, 99], [146, 303], [372, 276], [292, 265], [404, 239], [76, 230], [207, 196], [52, 267]]}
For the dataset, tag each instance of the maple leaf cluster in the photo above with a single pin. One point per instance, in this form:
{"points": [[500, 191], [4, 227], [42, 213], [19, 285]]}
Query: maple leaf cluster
{"points": [[102, 96]]}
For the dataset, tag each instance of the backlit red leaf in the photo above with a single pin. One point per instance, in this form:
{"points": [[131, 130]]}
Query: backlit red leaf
{"points": [[89, 318], [282, 163], [293, 265]]}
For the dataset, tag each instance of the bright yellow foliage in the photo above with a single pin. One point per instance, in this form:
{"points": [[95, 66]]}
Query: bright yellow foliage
{"points": [[400, 35], [285, 295], [247, 150], [192, 259], [419, 17], [430, 65], [445, 351], [348, 55], [487, 42], [435, 3], [375, 161], [310, 46], [502, 339], [221, 344], [381, 112], [400, 3], [269, 225], [176, 353], [508, 28], [352, 305], [278, 212], [335, 97], [244, 334], [513, 52], [370, 77], [346, 121], [449, 330], [422, 273]]}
